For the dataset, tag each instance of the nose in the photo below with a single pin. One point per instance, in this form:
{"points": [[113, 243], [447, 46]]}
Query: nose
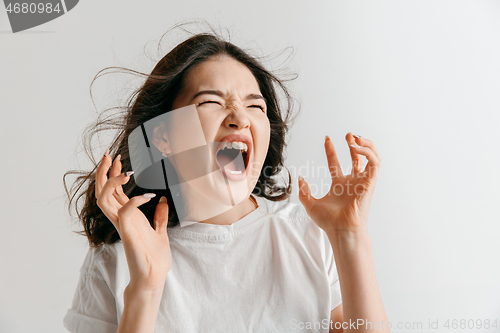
{"points": [[237, 117]]}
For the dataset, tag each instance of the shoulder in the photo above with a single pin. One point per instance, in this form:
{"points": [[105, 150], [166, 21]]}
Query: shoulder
{"points": [[100, 262], [286, 209], [290, 221], [293, 216]]}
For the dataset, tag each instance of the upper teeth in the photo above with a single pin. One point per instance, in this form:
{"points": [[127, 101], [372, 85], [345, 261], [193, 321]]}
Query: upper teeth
{"points": [[236, 145]]}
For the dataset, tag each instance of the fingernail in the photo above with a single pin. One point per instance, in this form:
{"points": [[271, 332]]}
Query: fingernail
{"points": [[127, 174], [357, 136], [301, 178], [355, 146], [327, 137], [106, 153], [149, 195], [163, 199], [117, 158]]}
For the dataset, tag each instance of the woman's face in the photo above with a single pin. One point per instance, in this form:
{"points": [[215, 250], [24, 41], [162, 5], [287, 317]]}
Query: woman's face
{"points": [[233, 118]]}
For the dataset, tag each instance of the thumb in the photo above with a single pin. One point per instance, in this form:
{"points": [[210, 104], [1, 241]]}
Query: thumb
{"points": [[305, 194], [161, 215]]}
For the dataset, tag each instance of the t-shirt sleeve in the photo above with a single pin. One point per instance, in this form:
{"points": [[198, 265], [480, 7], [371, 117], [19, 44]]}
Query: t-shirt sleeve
{"points": [[321, 243], [93, 309]]}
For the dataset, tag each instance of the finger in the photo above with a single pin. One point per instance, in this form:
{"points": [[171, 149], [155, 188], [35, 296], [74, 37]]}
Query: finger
{"points": [[373, 160], [101, 173], [106, 199], [331, 156], [355, 157], [128, 209], [161, 216], [114, 172], [117, 167], [305, 196], [366, 143]]}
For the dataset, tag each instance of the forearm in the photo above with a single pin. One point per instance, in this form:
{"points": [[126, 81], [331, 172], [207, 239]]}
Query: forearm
{"points": [[140, 311], [361, 298]]}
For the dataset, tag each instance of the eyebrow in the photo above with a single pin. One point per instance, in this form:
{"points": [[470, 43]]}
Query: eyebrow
{"points": [[220, 94]]}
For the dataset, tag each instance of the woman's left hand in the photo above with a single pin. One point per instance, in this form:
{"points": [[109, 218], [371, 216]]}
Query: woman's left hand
{"points": [[344, 209]]}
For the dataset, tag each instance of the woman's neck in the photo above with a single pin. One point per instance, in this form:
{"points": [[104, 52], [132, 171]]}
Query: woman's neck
{"points": [[234, 214]]}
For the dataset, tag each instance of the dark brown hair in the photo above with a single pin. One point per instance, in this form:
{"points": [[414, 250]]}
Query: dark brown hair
{"points": [[156, 97]]}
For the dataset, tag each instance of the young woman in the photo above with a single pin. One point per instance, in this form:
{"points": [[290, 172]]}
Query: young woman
{"points": [[256, 264]]}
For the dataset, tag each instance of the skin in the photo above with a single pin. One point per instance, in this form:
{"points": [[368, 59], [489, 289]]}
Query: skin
{"points": [[147, 250], [343, 217], [343, 214], [233, 106]]}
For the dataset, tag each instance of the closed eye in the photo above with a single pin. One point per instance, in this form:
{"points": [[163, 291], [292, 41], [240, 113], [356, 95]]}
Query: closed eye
{"points": [[205, 102], [250, 106], [256, 106]]}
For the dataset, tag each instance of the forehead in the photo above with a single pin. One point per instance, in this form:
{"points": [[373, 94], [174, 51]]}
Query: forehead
{"points": [[223, 73]]}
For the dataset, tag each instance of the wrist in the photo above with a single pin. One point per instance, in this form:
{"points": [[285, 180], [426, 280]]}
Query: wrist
{"points": [[140, 294], [140, 309], [349, 239]]}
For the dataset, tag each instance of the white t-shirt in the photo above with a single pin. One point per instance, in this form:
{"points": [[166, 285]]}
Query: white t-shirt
{"points": [[271, 271]]}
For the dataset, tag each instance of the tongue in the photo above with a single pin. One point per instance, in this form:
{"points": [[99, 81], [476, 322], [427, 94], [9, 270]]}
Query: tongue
{"points": [[231, 161], [227, 162]]}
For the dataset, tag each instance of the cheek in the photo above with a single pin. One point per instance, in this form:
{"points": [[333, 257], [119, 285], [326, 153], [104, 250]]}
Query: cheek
{"points": [[263, 135], [267, 136], [209, 127]]}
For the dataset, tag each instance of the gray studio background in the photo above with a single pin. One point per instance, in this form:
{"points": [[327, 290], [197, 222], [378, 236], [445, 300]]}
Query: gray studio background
{"points": [[419, 78]]}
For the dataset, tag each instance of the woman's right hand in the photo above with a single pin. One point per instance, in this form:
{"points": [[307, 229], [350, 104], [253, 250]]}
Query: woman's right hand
{"points": [[147, 250]]}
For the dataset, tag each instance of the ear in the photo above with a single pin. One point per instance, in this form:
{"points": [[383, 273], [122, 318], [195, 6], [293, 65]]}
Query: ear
{"points": [[160, 139]]}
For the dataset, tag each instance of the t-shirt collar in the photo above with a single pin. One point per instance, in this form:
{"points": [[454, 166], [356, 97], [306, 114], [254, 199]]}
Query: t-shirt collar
{"points": [[222, 229]]}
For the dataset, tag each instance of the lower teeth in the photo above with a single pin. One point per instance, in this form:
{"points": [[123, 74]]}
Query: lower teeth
{"points": [[235, 172]]}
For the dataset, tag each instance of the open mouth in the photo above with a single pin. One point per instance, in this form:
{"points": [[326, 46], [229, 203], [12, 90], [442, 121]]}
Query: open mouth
{"points": [[232, 157]]}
